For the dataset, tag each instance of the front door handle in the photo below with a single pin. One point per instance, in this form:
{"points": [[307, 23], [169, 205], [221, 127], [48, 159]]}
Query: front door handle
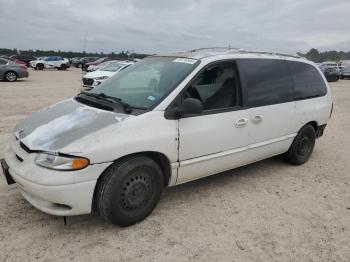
{"points": [[257, 119], [241, 122]]}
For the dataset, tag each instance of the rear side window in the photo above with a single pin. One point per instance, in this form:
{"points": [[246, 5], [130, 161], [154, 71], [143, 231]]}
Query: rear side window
{"points": [[267, 81], [307, 80]]}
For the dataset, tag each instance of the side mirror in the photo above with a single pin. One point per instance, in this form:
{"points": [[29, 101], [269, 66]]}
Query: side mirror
{"points": [[190, 106]]}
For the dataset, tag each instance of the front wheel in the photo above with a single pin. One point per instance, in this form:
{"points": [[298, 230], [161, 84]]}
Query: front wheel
{"points": [[302, 146], [129, 190]]}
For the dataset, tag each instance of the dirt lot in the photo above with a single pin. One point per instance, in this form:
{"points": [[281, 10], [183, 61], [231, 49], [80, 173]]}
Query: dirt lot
{"points": [[268, 211]]}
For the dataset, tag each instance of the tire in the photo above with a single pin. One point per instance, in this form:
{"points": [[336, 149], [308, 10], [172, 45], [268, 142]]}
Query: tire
{"points": [[129, 190], [302, 146], [11, 76], [79, 66], [63, 67], [40, 67]]}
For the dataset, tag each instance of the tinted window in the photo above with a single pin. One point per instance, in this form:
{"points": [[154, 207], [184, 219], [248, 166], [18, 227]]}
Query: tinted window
{"points": [[307, 80], [3, 62], [267, 81], [216, 87]]}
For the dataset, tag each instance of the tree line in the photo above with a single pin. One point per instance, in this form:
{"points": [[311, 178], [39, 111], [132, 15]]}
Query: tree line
{"points": [[313, 54], [70, 54], [319, 57]]}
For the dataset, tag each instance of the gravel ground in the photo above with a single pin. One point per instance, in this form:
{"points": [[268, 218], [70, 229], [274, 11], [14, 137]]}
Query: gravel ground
{"points": [[267, 211]]}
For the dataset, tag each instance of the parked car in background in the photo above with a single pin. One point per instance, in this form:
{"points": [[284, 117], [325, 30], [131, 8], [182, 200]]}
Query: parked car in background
{"points": [[24, 58], [74, 60], [333, 65], [96, 62], [92, 68], [82, 61], [346, 73], [15, 60], [48, 62], [331, 74], [164, 121], [95, 78], [11, 71]]}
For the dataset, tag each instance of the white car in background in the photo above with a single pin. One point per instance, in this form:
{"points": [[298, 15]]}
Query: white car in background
{"points": [[48, 62], [95, 78]]}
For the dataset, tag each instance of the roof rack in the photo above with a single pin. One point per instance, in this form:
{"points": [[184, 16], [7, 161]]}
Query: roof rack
{"points": [[241, 51], [268, 53], [213, 48]]}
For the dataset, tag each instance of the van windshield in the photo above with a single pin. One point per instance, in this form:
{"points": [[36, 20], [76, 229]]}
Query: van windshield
{"points": [[147, 82]]}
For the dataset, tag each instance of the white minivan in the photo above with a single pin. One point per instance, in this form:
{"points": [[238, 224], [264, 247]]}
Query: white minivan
{"points": [[164, 121]]}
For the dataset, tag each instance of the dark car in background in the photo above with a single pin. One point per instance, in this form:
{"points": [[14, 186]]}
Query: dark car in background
{"points": [[11, 71], [331, 74], [345, 73], [80, 63], [24, 58]]}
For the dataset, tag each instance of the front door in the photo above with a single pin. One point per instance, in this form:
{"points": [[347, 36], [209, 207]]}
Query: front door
{"points": [[215, 140]]}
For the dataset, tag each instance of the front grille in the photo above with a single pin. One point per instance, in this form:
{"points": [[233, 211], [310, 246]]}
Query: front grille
{"points": [[88, 81]]}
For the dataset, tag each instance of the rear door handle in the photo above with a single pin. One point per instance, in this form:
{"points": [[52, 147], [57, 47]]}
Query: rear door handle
{"points": [[257, 119], [242, 122]]}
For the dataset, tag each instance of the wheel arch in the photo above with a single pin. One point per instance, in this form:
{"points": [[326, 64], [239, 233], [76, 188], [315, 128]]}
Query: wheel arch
{"points": [[161, 159], [8, 71], [314, 124]]}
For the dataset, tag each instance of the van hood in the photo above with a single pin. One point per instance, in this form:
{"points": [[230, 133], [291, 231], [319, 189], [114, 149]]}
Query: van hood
{"points": [[99, 73], [61, 124]]}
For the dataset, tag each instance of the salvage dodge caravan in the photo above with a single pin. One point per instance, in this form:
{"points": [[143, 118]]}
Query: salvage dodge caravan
{"points": [[162, 122]]}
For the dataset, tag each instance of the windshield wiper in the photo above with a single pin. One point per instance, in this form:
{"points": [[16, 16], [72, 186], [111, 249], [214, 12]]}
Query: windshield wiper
{"points": [[112, 99]]}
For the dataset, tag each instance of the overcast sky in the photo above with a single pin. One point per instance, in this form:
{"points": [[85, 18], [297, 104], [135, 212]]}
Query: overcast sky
{"points": [[151, 26]]}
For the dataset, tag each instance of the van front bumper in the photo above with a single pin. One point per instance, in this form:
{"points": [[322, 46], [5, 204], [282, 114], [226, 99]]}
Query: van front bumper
{"points": [[64, 200], [60, 193]]}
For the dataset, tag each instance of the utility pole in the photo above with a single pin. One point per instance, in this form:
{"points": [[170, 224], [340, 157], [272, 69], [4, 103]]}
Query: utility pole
{"points": [[85, 42]]}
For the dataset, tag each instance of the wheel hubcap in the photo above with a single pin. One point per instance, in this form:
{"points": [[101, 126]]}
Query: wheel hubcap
{"points": [[11, 76], [135, 192], [304, 146]]}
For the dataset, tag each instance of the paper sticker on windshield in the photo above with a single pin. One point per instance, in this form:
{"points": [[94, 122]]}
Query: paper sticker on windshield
{"points": [[152, 98], [185, 60]]}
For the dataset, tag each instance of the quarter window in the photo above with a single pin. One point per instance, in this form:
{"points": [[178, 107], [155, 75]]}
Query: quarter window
{"points": [[267, 81], [216, 87], [307, 81]]}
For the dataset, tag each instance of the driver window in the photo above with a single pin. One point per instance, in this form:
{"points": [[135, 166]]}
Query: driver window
{"points": [[216, 87]]}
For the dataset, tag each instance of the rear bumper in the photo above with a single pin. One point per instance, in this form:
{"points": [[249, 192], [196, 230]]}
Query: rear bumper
{"points": [[23, 74]]}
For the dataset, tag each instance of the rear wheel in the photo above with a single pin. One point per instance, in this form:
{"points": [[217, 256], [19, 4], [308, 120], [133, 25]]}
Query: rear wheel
{"points": [[63, 67], [40, 66], [302, 146], [11, 76], [129, 190]]}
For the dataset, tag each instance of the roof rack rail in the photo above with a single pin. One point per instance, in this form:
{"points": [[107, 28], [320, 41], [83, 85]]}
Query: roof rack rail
{"points": [[213, 48], [242, 51], [268, 53]]}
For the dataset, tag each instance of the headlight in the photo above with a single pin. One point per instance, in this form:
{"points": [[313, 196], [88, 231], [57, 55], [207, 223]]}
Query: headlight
{"points": [[63, 163], [101, 77]]}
